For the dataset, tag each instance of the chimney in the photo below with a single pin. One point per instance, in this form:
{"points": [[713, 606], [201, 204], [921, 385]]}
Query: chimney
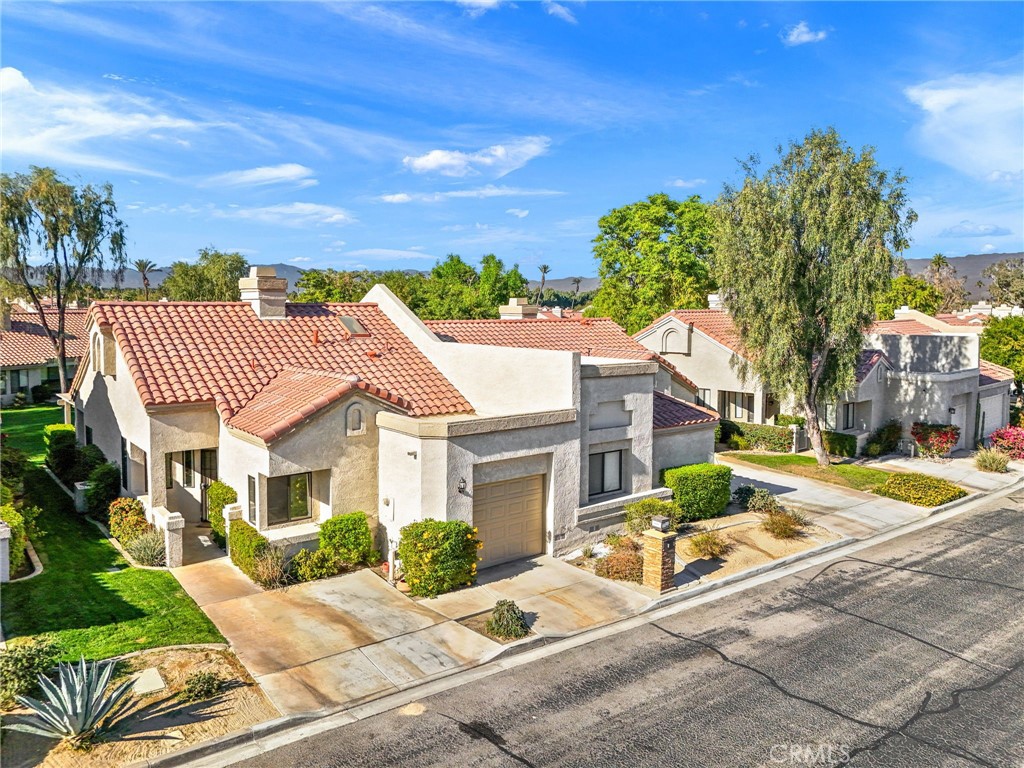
{"points": [[5, 316], [714, 301], [518, 309], [265, 291]]}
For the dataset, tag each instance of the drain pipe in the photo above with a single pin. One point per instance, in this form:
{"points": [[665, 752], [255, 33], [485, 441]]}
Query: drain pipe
{"points": [[392, 546]]}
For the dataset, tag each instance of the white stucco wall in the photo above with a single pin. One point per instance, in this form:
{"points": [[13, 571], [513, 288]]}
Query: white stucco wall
{"points": [[687, 445]]}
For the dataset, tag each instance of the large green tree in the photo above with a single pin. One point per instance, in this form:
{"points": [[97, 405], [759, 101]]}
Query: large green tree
{"points": [[1005, 282], [803, 252], [652, 257], [908, 291], [1002, 343], [213, 276], [70, 234]]}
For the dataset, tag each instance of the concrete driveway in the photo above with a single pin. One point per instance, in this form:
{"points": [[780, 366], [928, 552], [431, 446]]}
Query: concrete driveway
{"points": [[335, 642]]}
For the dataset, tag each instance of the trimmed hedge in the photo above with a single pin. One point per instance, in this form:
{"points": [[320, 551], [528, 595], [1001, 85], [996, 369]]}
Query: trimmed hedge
{"points": [[19, 536], [838, 444], [920, 489], [438, 556], [88, 457], [639, 514], [784, 420], [348, 538], [61, 450], [764, 437], [13, 465], [218, 496], [311, 565], [104, 487], [700, 490], [127, 519], [246, 545]]}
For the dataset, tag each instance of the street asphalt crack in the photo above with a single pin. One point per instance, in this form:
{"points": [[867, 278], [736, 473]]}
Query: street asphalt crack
{"points": [[980, 535], [949, 576], [480, 730]]}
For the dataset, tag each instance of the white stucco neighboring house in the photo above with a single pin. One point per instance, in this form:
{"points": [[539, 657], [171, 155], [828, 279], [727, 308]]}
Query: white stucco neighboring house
{"points": [[27, 357], [536, 437]]}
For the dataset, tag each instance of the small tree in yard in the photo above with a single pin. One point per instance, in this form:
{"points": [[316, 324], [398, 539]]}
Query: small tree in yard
{"points": [[1002, 343], [803, 253]]}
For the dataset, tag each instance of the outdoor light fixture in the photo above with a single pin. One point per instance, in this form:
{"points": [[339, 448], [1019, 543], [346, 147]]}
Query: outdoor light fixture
{"points": [[660, 523], [462, 485], [952, 411]]}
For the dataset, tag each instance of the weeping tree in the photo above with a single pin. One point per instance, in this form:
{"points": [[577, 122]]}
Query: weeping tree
{"points": [[55, 239], [803, 252]]}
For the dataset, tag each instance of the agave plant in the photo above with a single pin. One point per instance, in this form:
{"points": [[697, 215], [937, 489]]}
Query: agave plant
{"points": [[77, 706]]}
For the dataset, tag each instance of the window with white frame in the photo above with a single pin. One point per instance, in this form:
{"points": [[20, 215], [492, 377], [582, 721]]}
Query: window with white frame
{"points": [[737, 406], [288, 498]]}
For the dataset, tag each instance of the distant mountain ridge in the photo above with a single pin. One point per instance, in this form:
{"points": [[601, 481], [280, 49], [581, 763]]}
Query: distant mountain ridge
{"points": [[969, 268]]}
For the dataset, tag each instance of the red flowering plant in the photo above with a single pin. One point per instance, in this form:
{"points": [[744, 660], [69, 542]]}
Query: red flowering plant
{"points": [[1009, 440], [935, 440]]}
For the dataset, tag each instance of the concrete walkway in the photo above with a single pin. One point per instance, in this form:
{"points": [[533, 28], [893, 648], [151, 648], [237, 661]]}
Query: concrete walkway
{"points": [[335, 642], [852, 513]]}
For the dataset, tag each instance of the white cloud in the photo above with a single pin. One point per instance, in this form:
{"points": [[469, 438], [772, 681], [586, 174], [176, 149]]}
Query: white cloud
{"points": [[287, 173], [478, 193], [499, 159], [398, 197], [291, 214], [48, 124], [988, 248], [559, 11], [299, 259], [968, 228], [800, 33], [521, 213], [335, 246], [974, 123], [388, 253], [687, 183], [477, 8]]}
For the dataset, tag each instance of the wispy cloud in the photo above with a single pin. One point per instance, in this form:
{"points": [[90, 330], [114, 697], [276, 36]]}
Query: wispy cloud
{"points": [[559, 11], [287, 173], [478, 193], [476, 8], [291, 214], [687, 183], [967, 228], [801, 34], [499, 159], [384, 254], [974, 123], [299, 259], [519, 213]]}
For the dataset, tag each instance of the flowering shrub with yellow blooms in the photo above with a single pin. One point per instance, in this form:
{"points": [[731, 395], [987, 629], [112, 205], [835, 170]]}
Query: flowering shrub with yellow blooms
{"points": [[438, 556]]}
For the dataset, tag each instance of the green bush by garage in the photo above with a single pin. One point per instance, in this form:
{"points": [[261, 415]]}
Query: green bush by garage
{"points": [[438, 556]]}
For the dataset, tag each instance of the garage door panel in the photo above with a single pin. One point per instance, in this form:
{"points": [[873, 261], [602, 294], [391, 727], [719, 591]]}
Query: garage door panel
{"points": [[509, 517]]}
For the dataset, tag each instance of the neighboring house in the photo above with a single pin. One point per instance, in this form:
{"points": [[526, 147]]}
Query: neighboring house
{"points": [[913, 368], [312, 410], [26, 352]]}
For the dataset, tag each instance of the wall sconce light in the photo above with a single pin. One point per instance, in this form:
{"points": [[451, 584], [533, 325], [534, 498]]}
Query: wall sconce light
{"points": [[414, 454], [952, 411], [462, 485]]}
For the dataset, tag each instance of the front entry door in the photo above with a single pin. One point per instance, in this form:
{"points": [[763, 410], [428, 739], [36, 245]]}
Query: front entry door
{"points": [[207, 474]]}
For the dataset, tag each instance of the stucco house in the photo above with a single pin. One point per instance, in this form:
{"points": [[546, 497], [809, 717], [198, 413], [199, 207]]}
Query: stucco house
{"points": [[536, 437], [26, 353], [911, 369]]}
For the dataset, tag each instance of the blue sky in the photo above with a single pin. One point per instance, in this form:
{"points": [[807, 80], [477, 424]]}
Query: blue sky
{"points": [[388, 135]]}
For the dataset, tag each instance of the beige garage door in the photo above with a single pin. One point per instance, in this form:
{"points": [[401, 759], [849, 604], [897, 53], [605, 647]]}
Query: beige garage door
{"points": [[509, 517]]}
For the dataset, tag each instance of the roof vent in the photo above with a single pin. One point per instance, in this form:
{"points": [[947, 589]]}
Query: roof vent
{"points": [[353, 326]]}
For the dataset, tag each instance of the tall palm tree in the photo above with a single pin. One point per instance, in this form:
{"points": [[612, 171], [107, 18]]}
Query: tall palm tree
{"points": [[575, 289], [144, 268], [544, 269]]}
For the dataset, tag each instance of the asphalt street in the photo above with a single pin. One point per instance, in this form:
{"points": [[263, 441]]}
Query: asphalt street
{"points": [[907, 654]]}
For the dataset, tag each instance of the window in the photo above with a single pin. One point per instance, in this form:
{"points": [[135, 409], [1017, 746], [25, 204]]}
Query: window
{"points": [[354, 421], [15, 381], [168, 470], [188, 471], [288, 498], [252, 499], [124, 464], [849, 415], [605, 472], [704, 397], [145, 472], [94, 352], [830, 415], [52, 373], [88, 435], [878, 371], [738, 406]]}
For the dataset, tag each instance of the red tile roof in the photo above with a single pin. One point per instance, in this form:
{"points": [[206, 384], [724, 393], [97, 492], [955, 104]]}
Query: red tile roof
{"points": [[593, 337], [867, 360], [222, 353], [973, 320], [903, 328], [27, 343], [670, 412], [714, 323], [990, 373]]}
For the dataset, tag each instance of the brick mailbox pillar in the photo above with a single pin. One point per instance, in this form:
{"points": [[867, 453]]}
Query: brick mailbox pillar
{"points": [[659, 556]]}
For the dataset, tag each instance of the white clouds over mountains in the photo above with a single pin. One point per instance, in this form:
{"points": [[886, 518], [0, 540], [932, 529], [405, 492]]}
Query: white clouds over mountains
{"points": [[475, 193], [497, 160], [287, 173]]}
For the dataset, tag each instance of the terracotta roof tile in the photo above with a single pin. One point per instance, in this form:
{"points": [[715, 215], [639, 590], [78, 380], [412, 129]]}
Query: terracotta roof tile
{"points": [[670, 412], [221, 353], [990, 373], [27, 343], [903, 328], [714, 323], [866, 362], [973, 320]]}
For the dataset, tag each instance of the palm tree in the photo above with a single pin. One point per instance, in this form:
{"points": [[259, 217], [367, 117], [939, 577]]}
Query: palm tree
{"points": [[144, 268], [544, 269], [576, 289]]}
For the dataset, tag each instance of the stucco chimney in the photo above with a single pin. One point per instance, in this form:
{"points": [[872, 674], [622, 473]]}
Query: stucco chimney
{"points": [[518, 309], [265, 291], [714, 301]]}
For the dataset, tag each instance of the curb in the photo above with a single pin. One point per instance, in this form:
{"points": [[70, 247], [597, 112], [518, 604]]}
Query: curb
{"points": [[58, 481]]}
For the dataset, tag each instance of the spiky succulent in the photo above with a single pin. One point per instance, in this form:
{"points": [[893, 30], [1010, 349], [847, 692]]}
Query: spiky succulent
{"points": [[77, 706]]}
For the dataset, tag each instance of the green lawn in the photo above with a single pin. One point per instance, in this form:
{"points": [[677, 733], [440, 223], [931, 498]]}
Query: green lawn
{"points": [[89, 610], [24, 428], [848, 475]]}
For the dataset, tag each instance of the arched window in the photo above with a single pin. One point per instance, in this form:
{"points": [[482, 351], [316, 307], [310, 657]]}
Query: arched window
{"points": [[355, 421], [672, 341], [94, 353]]}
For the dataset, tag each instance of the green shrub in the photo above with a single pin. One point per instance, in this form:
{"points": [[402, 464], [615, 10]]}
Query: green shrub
{"points": [[621, 565], [58, 432], [348, 538], [245, 544], [438, 556], [13, 464], [148, 548], [872, 449], [763, 502], [218, 496], [41, 393], [838, 444], [19, 536], [127, 519], [782, 524], [588, 551], [104, 487], [709, 545], [20, 401], [507, 621], [765, 437], [618, 542], [738, 443], [639, 514], [200, 686], [920, 489], [727, 429], [885, 439], [61, 450], [935, 439], [784, 420], [743, 494], [701, 490], [6, 495], [22, 664], [309, 565], [991, 460], [87, 458]]}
